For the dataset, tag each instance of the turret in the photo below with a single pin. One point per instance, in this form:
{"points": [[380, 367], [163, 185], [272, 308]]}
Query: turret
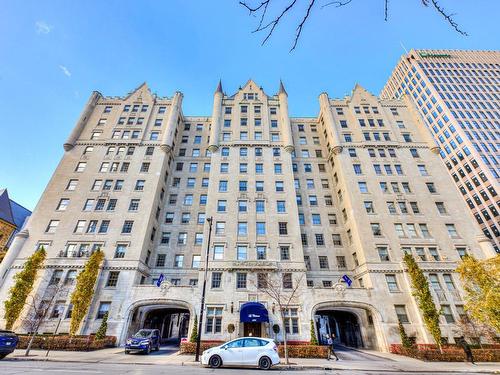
{"points": [[173, 118], [216, 119], [82, 121], [326, 110], [286, 130]]}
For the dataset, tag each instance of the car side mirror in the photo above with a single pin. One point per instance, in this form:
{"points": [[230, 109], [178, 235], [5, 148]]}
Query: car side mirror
{"points": [[224, 347]]}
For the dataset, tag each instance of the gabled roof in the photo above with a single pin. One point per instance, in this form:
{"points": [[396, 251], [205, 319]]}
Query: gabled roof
{"points": [[250, 83], [141, 93], [5, 209], [19, 213]]}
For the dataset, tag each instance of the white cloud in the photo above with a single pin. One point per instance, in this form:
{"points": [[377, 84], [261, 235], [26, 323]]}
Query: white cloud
{"points": [[65, 70], [43, 27]]}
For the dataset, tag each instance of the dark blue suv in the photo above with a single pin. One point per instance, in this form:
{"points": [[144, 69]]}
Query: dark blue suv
{"points": [[8, 342], [144, 341]]}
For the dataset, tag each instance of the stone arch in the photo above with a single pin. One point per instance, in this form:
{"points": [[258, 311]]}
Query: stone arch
{"points": [[154, 303], [354, 308]]}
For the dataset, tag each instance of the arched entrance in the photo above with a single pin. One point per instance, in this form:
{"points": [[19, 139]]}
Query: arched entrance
{"points": [[172, 319], [343, 324], [355, 324]]}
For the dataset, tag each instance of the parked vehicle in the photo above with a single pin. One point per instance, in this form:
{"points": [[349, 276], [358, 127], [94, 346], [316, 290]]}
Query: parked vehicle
{"points": [[144, 341], [245, 351], [8, 342]]}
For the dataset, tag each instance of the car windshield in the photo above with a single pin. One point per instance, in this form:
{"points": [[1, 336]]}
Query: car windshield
{"points": [[143, 333]]}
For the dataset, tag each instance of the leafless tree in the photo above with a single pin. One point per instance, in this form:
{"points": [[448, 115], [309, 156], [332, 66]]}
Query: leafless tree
{"points": [[268, 22], [39, 305], [473, 330], [282, 289]]}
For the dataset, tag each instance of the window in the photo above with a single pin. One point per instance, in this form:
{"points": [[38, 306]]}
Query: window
{"points": [[182, 238], [51, 228], [216, 280], [259, 185], [112, 278], [134, 205], [221, 205], [261, 228], [139, 185], [165, 238], [422, 170], [80, 167], [323, 262], [448, 315], [241, 280], [452, 231], [392, 284], [448, 280], [376, 230], [357, 169], [284, 252], [383, 253], [259, 206], [127, 226], [261, 252], [103, 309], [283, 229], [214, 320], [316, 219], [218, 252], [291, 318], [401, 313], [242, 186], [56, 277], [441, 208], [431, 187], [320, 240], [279, 186], [178, 261], [120, 251]]}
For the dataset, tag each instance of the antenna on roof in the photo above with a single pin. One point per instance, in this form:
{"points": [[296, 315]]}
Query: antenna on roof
{"points": [[402, 45]]}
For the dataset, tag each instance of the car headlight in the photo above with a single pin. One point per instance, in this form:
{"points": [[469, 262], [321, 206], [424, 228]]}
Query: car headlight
{"points": [[129, 341]]}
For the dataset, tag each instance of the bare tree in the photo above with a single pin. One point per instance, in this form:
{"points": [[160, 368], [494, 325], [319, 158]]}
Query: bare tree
{"points": [[39, 305], [268, 22], [282, 289], [473, 330]]}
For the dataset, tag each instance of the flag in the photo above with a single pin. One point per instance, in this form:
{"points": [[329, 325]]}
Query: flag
{"points": [[347, 280], [160, 280]]}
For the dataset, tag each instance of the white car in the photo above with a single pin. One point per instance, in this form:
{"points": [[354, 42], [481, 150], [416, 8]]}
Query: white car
{"points": [[244, 351]]}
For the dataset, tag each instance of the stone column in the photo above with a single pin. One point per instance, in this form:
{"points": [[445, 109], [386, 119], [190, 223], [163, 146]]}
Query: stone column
{"points": [[326, 109], [82, 121], [173, 117], [424, 131], [216, 119], [12, 253], [486, 246], [286, 130]]}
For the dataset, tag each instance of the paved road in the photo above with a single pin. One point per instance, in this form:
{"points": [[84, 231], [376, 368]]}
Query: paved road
{"points": [[13, 367]]}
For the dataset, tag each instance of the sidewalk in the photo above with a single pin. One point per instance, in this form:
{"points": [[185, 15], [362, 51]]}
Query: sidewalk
{"points": [[385, 362]]}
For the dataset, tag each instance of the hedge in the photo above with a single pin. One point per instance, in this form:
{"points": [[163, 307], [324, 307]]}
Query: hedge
{"points": [[451, 353], [294, 351], [64, 342]]}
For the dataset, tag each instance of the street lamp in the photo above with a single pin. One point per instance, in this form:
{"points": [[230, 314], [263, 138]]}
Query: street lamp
{"points": [[200, 323]]}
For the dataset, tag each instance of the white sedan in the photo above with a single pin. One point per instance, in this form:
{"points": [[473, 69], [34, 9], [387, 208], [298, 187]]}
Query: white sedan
{"points": [[245, 351]]}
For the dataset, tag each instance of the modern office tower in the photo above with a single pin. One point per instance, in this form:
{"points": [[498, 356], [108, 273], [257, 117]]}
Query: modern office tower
{"points": [[457, 94], [296, 203]]}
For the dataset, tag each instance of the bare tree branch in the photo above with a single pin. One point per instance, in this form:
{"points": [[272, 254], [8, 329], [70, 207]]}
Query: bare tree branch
{"points": [[447, 16], [299, 28], [270, 25]]}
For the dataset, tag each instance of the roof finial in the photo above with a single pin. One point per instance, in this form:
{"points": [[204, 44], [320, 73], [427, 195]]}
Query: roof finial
{"points": [[282, 88], [219, 87]]}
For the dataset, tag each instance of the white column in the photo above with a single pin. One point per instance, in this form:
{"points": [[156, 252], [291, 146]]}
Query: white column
{"points": [[12, 253], [216, 119], [286, 130], [82, 121], [173, 117], [326, 110]]}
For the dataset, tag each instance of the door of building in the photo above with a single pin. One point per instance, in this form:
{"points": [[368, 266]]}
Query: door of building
{"points": [[252, 329]]}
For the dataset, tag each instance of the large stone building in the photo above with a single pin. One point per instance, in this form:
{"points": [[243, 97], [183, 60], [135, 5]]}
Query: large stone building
{"points": [[457, 93], [301, 200]]}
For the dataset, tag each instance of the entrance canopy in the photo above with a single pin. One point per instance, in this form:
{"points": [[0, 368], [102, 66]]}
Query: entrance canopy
{"points": [[253, 312]]}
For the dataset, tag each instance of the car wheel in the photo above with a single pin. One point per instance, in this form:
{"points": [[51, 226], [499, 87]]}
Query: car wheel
{"points": [[265, 363], [147, 350], [2, 356], [127, 351], [157, 348], [215, 361]]}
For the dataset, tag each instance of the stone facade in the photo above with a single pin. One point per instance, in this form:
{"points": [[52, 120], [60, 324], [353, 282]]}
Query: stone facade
{"points": [[302, 200], [457, 94]]}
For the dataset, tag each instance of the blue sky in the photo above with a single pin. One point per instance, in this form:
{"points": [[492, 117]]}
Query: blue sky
{"points": [[54, 53]]}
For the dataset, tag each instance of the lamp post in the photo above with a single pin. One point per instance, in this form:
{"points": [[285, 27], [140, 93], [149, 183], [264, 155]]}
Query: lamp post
{"points": [[200, 322]]}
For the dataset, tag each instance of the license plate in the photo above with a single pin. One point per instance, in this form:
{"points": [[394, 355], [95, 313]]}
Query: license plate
{"points": [[8, 343]]}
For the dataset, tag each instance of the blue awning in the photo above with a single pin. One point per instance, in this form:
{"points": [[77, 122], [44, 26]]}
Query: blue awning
{"points": [[253, 312]]}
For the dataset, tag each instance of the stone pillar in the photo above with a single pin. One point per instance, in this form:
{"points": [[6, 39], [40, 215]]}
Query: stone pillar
{"points": [[286, 130], [486, 246], [12, 253], [424, 131], [326, 109], [216, 119], [82, 121], [173, 117]]}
